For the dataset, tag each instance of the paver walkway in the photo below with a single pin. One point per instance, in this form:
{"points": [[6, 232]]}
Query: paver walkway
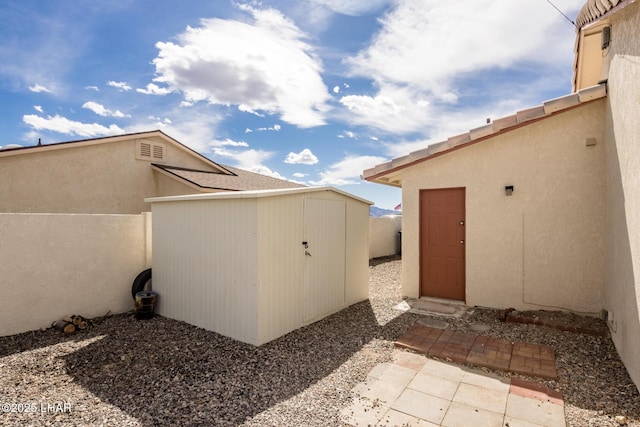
{"points": [[529, 359], [416, 391]]}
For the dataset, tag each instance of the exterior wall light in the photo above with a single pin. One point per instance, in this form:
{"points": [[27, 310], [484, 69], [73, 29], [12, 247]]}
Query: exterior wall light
{"points": [[508, 190]]}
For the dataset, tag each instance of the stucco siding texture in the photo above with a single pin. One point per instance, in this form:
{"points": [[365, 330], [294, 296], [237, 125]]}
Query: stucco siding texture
{"points": [[101, 178], [542, 247], [621, 293], [58, 265]]}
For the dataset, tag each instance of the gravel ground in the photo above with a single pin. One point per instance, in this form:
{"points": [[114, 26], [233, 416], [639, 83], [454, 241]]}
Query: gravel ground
{"points": [[129, 372]]}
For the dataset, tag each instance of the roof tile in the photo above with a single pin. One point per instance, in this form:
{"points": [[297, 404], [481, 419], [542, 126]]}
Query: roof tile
{"points": [[530, 114], [505, 123]]}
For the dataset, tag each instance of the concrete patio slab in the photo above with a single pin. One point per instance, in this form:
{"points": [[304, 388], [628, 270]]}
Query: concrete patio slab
{"points": [[461, 415], [416, 391]]}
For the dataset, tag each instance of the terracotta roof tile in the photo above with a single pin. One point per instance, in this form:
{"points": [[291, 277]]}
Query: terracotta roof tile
{"points": [[487, 131], [595, 9]]}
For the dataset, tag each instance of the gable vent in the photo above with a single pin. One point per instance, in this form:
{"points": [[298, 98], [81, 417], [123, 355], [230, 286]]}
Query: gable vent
{"points": [[158, 152], [145, 149], [150, 151]]}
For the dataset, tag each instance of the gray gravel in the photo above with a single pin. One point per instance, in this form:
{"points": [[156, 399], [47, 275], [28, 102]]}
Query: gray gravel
{"points": [[130, 372]]}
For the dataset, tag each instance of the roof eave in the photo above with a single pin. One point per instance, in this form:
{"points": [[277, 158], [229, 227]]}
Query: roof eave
{"points": [[385, 173]]}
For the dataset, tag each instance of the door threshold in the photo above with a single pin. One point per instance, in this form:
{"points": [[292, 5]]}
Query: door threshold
{"points": [[443, 301]]}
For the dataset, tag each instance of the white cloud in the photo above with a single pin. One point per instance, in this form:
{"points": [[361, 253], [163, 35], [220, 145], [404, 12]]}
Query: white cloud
{"points": [[102, 111], [92, 88], [275, 128], [250, 160], [440, 41], [229, 143], [38, 88], [70, 127], [393, 109], [264, 170], [427, 53], [299, 175], [449, 98], [264, 67], [154, 89], [38, 108], [353, 7], [336, 89], [348, 170], [122, 86], [305, 157]]}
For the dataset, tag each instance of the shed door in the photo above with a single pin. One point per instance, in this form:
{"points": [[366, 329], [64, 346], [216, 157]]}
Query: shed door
{"points": [[324, 270], [442, 250]]}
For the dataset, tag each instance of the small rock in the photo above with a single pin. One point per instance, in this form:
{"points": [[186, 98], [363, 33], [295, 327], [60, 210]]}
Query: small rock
{"points": [[621, 419]]}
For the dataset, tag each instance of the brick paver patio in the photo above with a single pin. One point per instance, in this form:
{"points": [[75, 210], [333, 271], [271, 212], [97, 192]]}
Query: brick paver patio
{"points": [[530, 359]]}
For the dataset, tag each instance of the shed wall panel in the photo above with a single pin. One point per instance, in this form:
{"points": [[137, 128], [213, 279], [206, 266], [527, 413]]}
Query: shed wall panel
{"points": [[280, 265], [324, 262], [235, 264], [357, 252], [205, 270]]}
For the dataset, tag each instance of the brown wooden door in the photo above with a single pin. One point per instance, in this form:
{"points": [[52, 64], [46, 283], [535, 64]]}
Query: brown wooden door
{"points": [[442, 252]]}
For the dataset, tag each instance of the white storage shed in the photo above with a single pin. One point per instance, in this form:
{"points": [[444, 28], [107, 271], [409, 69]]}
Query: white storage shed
{"points": [[255, 265]]}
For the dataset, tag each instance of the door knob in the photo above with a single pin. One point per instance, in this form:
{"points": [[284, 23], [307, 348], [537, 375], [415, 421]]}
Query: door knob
{"points": [[461, 222], [462, 242]]}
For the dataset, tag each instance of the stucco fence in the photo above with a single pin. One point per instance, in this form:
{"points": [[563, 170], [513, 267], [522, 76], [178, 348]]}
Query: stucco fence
{"points": [[54, 265], [384, 236]]}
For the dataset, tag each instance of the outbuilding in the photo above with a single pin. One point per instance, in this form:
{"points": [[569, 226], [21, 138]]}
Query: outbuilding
{"points": [[255, 265]]}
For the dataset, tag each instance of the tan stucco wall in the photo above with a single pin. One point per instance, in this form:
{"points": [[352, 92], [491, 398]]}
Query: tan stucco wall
{"points": [[56, 265], [87, 178], [621, 292], [383, 235], [542, 247]]}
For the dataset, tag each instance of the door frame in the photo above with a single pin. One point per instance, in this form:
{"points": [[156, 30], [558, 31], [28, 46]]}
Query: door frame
{"points": [[421, 225]]}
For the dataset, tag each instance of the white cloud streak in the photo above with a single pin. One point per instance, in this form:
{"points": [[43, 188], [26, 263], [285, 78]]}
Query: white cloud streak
{"points": [[70, 127], [121, 86], [348, 170], [102, 111], [37, 88], [154, 89]]}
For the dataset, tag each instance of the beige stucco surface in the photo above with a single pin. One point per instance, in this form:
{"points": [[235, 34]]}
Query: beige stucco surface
{"points": [[542, 247], [56, 265], [88, 177], [383, 235], [621, 292]]}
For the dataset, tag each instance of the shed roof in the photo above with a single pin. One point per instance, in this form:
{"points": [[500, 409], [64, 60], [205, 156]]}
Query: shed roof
{"points": [[254, 194], [388, 172]]}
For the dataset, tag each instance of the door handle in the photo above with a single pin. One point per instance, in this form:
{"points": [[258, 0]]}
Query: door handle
{"points": [[462, 242]]}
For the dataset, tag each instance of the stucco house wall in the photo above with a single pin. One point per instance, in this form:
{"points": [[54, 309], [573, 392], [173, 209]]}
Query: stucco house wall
{"points": [[542, 247], [101, 177], [621, 291]]}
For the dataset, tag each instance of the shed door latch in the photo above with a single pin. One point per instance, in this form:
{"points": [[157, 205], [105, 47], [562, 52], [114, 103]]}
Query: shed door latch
{"points": [[305, 244]]}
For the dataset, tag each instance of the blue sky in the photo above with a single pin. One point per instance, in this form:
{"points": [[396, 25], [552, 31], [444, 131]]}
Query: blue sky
{"points": [[313, 91]]}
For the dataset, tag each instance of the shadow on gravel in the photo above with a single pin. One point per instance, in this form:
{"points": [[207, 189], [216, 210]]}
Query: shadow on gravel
{"points": [[35, 340], [165, 372]]}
